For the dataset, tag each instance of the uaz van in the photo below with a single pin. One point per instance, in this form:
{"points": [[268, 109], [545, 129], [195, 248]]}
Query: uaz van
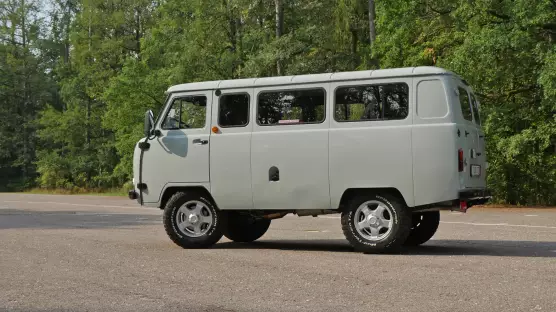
{"points": [[386, 149]]}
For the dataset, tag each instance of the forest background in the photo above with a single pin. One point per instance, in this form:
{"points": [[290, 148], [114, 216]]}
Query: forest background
{"points": [[76, 76]]}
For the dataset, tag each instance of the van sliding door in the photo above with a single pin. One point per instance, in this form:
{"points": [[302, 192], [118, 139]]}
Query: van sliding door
{"points": [[289, 148]]}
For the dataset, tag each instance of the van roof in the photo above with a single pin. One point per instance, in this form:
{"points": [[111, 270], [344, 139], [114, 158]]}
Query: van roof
{"points": [[305, 79]]}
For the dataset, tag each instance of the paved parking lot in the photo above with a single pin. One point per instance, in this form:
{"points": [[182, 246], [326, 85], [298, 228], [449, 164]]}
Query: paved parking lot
{"points": [[89, 253]]}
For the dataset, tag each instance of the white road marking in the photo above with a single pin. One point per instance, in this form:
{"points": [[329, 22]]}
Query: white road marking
{"points": [[501, 224], [325, 216], [471, 223], [467, 223], [477, 224], [531, 215], [78, 213], [68, 204]]}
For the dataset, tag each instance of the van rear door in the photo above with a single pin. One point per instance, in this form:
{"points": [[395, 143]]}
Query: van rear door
{"points": [[471, 153], [481, 152]]}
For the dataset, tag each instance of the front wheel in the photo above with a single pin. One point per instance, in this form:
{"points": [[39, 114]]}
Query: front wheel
{"points": [[424, 226], [192, 221], [376, 223]]}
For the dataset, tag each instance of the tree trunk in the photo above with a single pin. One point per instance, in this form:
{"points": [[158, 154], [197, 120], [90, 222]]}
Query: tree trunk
{"points": [[279, 29], [67, 30], [354, 41], [372, 17], [138, 32], [239, 51], [26, 157], [234, 35], [232, 31], [88, 112], [88, 123]]}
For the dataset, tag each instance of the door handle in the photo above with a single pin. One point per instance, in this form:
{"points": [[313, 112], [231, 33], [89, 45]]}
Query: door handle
{"points": [[273, 174], [466, 133], [200, 142]]}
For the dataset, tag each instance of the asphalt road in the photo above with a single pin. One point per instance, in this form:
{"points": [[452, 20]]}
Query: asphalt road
{"points": [[88, 253]]}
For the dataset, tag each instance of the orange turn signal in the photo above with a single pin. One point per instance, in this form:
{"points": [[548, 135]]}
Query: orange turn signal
{"points": [[215, 129]]}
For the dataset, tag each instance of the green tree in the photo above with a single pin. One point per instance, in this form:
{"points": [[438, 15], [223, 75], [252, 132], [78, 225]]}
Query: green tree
{"points": [[23, 91], [505, 50], [99, 64], [103, 34]]}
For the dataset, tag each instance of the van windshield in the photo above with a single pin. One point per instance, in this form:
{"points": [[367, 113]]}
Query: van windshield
{"points": [[161, 109], [475, 106]]}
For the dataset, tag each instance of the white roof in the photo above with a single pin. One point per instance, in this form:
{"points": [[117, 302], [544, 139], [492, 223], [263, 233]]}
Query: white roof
{"points": [[315, 78]]}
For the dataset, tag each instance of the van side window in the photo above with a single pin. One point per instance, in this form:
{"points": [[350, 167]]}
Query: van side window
{"points": [[464, 103], [475, 107], [431, 99], [233, 110], [372, 102], [291, 107], [187, 112]]}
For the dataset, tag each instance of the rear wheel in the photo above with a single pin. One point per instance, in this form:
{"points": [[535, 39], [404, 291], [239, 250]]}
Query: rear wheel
{"points": [[376, 223], [424, 226], [244, 228], [191, 220]]}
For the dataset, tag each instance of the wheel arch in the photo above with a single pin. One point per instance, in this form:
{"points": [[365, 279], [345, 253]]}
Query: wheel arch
{"points": [[352, 192], [171, 190]]}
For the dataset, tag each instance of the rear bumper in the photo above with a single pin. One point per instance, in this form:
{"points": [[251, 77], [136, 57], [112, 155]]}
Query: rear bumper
{"points": [[473, 197], [476, 197], [465, 200]]}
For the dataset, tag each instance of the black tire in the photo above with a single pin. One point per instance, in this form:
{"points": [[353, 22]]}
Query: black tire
{"points": [[400, 225], [424, 226], [244, 228], [181, 238]]}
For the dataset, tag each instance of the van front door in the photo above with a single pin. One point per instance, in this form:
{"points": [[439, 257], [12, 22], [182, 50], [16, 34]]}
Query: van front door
{"points": [[180, 154], [289, 148]]}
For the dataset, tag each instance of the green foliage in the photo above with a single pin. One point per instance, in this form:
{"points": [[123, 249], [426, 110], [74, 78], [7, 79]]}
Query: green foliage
{"points": [[23, 91], [505, 50], [74, 95]]}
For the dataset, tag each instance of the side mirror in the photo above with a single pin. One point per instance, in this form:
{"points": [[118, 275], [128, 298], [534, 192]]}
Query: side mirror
{"points": [[149, 123]]}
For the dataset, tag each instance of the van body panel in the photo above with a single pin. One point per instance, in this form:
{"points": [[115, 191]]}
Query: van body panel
{"points": [[370, 154], [435, 170], [299, 152], [434, 136], [377, 157], [301, 158], [230, 159]]}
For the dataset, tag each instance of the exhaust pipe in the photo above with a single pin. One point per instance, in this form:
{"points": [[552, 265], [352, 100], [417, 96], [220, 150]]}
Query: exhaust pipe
{"points": [[273, 216]]}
